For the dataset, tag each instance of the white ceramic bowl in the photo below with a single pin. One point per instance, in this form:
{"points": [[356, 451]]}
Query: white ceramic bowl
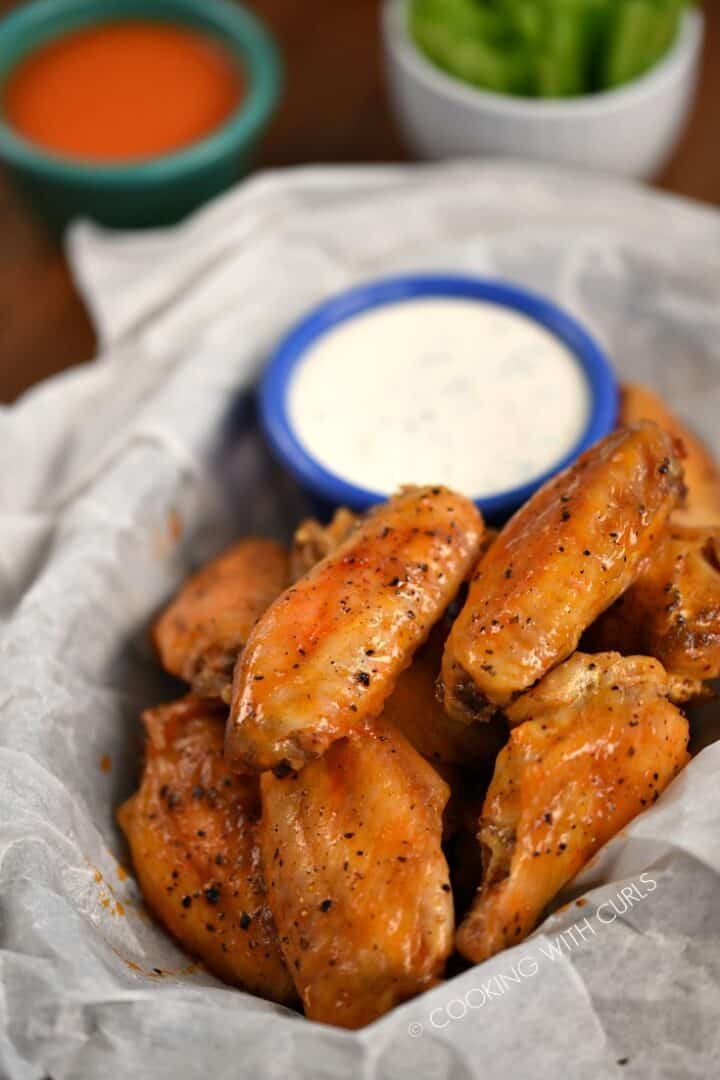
{"points": [[630, 131]]}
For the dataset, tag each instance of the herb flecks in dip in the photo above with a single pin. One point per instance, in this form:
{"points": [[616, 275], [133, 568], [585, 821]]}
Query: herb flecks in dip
{"points": [[470, 393]]}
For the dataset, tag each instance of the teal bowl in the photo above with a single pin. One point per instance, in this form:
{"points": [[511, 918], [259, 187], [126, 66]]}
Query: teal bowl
{"points": [[154, 191]]}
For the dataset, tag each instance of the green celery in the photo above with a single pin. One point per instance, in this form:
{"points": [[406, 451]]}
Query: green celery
{"points": [[548, 48], [562, 54], [640, 32]]}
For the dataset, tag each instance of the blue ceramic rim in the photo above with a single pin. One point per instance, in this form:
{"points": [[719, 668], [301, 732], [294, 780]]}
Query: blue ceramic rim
{"points": [[243, 35], [275, 383]]}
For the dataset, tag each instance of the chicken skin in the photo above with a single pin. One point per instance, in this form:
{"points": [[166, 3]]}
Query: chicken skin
{"points": [[702, 475], [201, 633], [356, 878], [192, 829], [414, 707], [327, 654], [313, 541], [592, 745], [564, 558], [672, 610]]}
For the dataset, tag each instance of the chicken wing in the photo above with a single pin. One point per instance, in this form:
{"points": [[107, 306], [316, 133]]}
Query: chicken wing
{"points": [[328, 652], [564, 557], [672, 610], [414, 707], [593, 744], [357, 881], [193, 833], [201, 633], [313, 541], [702, 474]]}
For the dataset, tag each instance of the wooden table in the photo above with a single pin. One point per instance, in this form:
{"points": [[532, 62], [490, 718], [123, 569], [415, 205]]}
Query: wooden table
{"points": [[334, 110]]}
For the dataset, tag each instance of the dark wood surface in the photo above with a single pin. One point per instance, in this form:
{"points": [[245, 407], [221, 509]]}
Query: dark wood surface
{"points": [[334, 110]]}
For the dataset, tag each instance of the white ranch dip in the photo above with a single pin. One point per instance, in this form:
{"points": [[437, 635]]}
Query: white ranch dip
{"points": [[439, 390]]}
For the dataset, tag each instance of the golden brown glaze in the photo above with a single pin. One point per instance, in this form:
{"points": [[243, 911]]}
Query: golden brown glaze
{"points": [[414, 707], [313, 541], [562, 559], [672, 610], [357, 881], [201, 633], [702, 475], [592, 746], [192, 828], [327, 654]]}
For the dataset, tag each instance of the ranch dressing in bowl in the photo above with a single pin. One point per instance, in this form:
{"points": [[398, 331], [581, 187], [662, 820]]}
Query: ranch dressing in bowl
{"points": [[427, 379], [443, 389]]}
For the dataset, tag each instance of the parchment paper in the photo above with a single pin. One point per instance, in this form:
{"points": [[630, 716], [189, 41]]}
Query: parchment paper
{"points": [[117, 478]]}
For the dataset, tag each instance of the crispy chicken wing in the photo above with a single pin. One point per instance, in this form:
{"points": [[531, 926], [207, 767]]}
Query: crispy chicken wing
{"points": [[563, 559], [193, 833], [201, 633], [593, 745], [313, 541], [414, 707], [328, 652], [672, 610], [702, 475], [357, 881]]}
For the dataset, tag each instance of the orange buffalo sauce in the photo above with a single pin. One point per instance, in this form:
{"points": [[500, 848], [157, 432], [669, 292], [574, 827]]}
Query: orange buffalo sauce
{"points": [[123, 91]]}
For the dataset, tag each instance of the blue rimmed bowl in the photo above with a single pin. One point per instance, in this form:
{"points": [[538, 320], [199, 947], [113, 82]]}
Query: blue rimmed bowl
{"points": [[331, 489], [158, 190]]}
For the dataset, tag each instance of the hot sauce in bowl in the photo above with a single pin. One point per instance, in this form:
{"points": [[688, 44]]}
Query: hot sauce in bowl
{"points": [[132, 113], [123, 91]]}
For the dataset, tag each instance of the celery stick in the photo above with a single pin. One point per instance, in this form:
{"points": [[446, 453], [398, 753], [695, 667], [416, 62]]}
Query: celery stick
{"points": [[641, 31], [549, 48], [464, 45], [457, 16], [562, 52]]}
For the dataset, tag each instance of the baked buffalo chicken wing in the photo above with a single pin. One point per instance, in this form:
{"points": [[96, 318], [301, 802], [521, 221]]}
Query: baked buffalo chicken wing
{"points": [[702, 476], [313, 541], [328, 652], [564, 557], [592, 745], [201, 633], [414, 707], [356, 878], [672, 610], [192, 829]]}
